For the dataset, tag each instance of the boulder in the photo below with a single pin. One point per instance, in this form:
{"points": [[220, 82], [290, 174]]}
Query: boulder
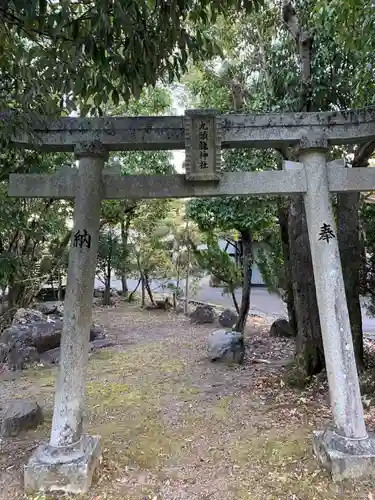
{"points": [[18, 355], [43, 334], [228, 318], [226, 346], [55, 309], [51, 357], [20, 415], [203, 314], [25, 316], [281, 328]]}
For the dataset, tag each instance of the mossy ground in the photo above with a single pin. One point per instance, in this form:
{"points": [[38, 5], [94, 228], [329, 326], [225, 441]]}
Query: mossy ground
{"points": [[175, 426]]}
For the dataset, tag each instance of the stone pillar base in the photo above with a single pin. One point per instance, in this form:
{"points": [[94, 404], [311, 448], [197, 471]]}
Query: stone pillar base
{"points": [[70, 471], [345, 458]]}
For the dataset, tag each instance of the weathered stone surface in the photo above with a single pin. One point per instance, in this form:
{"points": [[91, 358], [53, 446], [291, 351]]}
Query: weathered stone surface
{"points": [[45, 472], [238, 130], [43, 335], [202, 145], [20, 415], [226, 346], [101, 344], [25, 316], [96, 333], [51, 308], [18, 355], [339, 356], [345, 458], [51, 357], [228, 318], [281, 328], [203, 314]]}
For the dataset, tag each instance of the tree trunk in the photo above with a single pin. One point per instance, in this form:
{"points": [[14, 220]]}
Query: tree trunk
{"points": [[350, 253], [107, 278], [59, 289], [309, 346], [283, 222], [130, 298], [148, 289], [107, 285], [124, 242], [233, 294], [247, 247], [143, 303]]}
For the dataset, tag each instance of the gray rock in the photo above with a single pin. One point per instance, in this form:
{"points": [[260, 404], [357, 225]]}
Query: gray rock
{"points": [[43, 335], [20, 415], [18, 355], [101, 344], [281, 328], [51, 357], [52, 308], [25, 316], [228, 318], [96, 333], [226, 346], [203, 314]]}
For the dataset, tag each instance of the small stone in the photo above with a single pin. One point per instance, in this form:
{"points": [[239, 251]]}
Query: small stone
{"points": [[203, 314], [226, 346], [20, 415], [281, 328], [51, 357], [228, 318], [96, 333], [101, 344]]}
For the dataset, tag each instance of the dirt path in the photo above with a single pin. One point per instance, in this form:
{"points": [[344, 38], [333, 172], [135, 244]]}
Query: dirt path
{"points": [[175, 426]]}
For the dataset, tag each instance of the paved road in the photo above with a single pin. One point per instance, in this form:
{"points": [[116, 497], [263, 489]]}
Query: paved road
{"points": [[261, 300]]}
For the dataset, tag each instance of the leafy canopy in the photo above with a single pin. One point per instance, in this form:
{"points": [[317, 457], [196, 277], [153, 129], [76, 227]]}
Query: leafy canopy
{"points": [[105, 49]]}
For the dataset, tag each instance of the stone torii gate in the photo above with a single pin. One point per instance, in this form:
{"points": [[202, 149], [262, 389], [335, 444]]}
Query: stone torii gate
{"points": [[69, 459]]}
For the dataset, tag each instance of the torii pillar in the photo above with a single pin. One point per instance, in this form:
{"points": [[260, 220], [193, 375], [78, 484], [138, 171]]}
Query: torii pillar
{"points": [[67, 462], [345, 448]]}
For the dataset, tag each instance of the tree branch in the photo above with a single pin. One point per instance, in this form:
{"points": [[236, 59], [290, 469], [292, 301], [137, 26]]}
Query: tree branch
{"points": [[304, 42], [363, 154]]}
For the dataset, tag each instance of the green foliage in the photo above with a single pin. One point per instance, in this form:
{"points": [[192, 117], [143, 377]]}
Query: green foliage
{"points": [[337, 19], [150, 255], [218, 263], [109, 252], [367, 216], [99, 50], [270, 262]]}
